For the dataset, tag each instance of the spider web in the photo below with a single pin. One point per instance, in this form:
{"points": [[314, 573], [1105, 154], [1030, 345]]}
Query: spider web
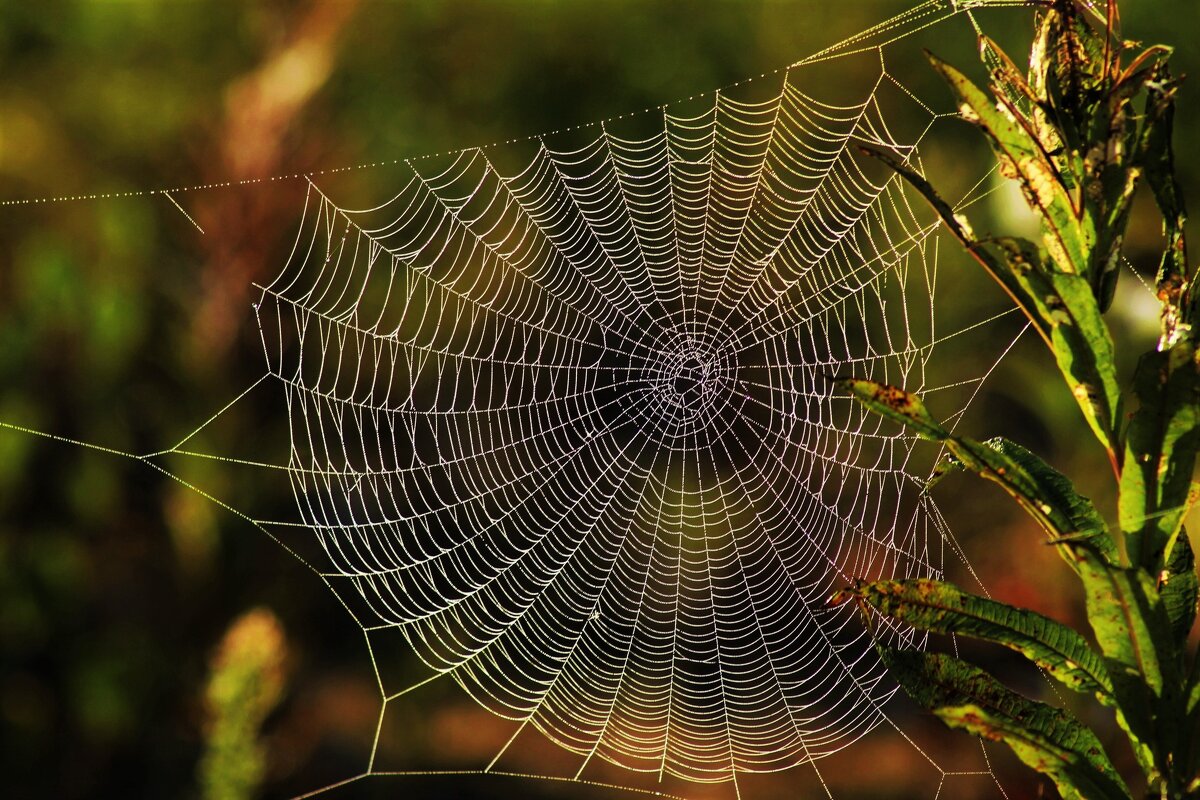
{"points": [[561, 418], [567, 427]]}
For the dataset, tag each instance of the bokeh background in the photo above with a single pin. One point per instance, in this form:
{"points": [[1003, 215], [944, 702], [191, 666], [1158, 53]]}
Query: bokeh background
{"points": [[122, 325]]}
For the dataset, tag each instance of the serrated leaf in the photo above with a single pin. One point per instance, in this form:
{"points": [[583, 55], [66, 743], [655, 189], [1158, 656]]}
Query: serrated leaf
{"points": [[944, 608], [1045, 738]]}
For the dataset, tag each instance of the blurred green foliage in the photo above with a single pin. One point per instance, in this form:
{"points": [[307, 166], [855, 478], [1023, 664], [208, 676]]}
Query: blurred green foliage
{"points": [[121, 325], [246, 682]]}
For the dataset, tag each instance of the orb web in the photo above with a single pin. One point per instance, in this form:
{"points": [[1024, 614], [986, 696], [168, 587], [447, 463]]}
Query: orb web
{"points": [[569, 427]]}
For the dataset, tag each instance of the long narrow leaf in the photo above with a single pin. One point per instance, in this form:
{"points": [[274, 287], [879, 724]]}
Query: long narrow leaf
{"points": [[1084, 351], [1043, 491], [943, 608], [1160, 453], [895, 404], [1022, 158], [994, 264], [1157, 153], [1060, 305], [1083, 520], [1047, 739], [1131, 626], [1180, 589]]}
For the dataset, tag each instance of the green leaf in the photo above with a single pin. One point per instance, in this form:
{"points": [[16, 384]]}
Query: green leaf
{"points": [[1192, 718], [943, 608], [1083, 520], [1128, 618], [1061, 306], [1157, 156], [1077, 335], [1022, 157], [1040, 489], [1063, 300], [994, 264], [1073, 67], [1009, 80], [1084, 351], [1130, 622], [1180, 589], [1193, 693], [1045, 738], [1043, 79], [1160, 453], [895, 404]]}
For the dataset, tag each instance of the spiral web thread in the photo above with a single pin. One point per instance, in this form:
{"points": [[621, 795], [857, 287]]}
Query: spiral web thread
{"points": [[568, 428]]}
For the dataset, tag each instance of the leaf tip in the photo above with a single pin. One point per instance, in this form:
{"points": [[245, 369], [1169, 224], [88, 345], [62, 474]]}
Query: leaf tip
{"points": [[934, 60], [853, 592]]}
